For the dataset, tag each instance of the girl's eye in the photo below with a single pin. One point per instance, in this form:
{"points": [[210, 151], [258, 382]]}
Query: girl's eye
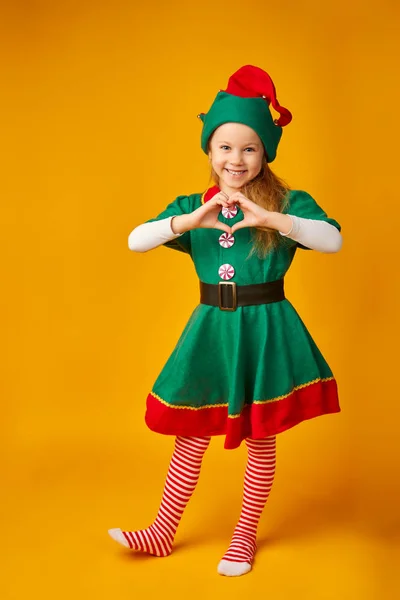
{"points": [[228, 148]]}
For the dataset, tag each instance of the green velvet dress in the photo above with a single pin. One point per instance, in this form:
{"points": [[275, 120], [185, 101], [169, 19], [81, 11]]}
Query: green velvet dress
{"points": [[253, 372]]}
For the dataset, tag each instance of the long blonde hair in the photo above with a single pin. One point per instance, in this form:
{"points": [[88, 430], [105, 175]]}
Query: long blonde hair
{"points": [[271, 192]]}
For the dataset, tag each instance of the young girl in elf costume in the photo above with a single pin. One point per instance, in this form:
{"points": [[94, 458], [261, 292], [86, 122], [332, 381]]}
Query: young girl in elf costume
{"points": [[245, 366]]}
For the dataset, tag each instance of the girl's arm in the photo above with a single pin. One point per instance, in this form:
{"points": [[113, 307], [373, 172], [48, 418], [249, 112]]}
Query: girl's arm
{"points": [[155, 233], [150, 235], [314, 234]]}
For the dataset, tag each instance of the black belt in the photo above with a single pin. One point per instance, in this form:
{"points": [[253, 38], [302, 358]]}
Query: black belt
{"points": [[228, 296]]}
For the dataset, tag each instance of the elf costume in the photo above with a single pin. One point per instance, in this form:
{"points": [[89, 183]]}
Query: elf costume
{"points": [[254, 371]]}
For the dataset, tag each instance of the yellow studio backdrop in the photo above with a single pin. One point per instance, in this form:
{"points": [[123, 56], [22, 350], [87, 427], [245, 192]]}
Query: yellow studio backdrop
{"points": [[99, 133]]}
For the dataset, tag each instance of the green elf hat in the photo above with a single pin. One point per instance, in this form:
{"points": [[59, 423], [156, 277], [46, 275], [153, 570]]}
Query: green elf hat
{"points": [[246, 100]]}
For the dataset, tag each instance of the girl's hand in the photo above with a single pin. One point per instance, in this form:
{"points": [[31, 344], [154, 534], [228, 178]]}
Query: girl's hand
{"points": [[254, 215], [206, 216]]}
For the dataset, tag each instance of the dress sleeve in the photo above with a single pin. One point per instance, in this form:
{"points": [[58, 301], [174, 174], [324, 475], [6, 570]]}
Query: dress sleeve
{"points": [[180, 206], [301, 204]]}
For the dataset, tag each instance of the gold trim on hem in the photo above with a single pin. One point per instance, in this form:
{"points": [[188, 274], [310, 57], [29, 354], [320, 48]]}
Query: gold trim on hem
{"points": [[235, 416]]}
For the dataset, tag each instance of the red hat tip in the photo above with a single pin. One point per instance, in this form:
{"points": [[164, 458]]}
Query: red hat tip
{"points": [[249, 82]]}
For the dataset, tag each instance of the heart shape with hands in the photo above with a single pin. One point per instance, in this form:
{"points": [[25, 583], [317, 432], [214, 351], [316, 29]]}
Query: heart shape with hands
{"points": [[207, 215], [254, 215]]}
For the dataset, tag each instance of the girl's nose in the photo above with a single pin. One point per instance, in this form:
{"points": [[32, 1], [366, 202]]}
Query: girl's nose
{"points": [[236, 158]]}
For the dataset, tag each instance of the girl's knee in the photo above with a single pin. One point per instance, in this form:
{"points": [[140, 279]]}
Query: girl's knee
{"points": [[194, 444], [261, 445]]}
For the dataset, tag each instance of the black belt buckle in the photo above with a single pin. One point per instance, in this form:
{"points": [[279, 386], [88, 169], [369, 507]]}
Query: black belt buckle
{"points": [[225, 285]]}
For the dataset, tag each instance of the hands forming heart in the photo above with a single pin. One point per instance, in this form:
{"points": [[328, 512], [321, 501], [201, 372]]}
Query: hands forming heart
{"points": [[254, 215], [207, 215]]}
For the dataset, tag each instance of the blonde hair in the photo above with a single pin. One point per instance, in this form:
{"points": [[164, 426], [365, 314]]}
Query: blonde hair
{"points": [[271, 192]]}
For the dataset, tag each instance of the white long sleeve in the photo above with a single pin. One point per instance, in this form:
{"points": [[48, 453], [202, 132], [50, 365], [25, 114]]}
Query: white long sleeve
{"points": [[315, 234], [312, 233], [150, 235]]}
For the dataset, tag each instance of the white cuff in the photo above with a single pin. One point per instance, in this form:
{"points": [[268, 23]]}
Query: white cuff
{"points": [[151, 235]]}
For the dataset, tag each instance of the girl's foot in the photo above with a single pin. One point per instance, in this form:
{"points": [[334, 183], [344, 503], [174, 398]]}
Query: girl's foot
{"points": [[182, 477], [146, 540], [232, 569], [239, 556]]}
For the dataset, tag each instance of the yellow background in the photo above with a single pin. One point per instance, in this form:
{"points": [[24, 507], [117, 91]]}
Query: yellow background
{"points": [[98, 133]]}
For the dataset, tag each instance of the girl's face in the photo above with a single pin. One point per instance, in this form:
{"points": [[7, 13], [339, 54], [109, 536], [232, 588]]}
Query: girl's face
{"points": [[236, 154]]}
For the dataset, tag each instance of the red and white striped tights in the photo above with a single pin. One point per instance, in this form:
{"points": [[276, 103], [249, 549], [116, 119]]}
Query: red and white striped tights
{"points": [[182, 477]]}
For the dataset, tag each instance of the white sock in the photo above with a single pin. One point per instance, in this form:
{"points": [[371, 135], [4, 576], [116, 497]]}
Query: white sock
{"points": [[233, 569], [118, 536]]}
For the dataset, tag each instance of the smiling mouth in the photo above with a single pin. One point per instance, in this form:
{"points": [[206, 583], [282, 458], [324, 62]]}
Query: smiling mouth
{"points": [[235, 173]]}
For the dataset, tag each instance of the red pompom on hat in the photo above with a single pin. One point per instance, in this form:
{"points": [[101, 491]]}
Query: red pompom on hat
{"points": [[253, 82]]}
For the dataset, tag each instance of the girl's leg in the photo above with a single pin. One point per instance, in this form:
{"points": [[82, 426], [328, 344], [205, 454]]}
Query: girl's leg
{"points": [[258, 481], [183, 475]]}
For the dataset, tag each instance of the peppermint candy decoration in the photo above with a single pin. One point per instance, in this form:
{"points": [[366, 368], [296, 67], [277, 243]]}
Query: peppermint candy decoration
{"points": [[226, 272], [229, 213], [226, 240]]}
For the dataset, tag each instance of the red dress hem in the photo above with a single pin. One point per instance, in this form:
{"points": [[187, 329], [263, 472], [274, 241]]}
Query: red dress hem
{"points": [[257, 420]]}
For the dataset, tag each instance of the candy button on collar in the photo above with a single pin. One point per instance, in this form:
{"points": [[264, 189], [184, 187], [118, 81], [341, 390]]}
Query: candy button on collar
{"points": [[226, 272], [226, 240]]}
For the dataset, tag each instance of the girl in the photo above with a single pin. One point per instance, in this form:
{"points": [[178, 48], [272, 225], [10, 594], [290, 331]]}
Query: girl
{"points": [[245, 365]]}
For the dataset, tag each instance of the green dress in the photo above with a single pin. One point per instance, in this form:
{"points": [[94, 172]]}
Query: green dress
{"points": [[254, 372]]}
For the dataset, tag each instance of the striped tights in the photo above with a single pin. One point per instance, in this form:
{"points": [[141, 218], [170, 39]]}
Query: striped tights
{"points": [[182, 477], [258, 480]]}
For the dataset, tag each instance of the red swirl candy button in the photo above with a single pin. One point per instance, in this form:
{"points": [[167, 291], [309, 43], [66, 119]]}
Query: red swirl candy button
{"points": [[226, 272], [226, 240], [230, 212]]}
